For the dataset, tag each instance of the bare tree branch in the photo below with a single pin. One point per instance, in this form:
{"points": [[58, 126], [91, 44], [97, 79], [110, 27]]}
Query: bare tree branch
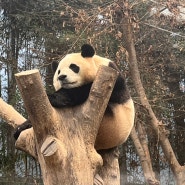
{"points": [[145, 159], [26, 140], [10, 115]]}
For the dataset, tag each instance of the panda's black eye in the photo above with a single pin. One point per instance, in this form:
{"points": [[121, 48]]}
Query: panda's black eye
{"points": [[74, 68], [58, 72]]}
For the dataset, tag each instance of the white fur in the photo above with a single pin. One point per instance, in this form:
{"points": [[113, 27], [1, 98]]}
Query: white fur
{"points": [[114, 130]]}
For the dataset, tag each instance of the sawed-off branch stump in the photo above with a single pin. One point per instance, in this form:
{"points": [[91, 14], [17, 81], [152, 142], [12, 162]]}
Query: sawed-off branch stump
{"points": [[64, 138]]}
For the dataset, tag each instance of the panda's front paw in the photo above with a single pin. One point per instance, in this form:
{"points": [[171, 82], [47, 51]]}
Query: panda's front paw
{"points": [[19, 129], [17, 132], [59, 99]]}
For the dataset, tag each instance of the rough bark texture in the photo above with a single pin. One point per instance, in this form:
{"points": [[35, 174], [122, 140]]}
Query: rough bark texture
{"points": [[110, 169], [63, 140], [9, 114], [142, 150], [26, 140], [159, 127]]}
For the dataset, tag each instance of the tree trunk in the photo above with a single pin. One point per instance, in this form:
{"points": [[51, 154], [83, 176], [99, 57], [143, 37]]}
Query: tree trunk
{"points": [[143, 152], [63, 140], [110, 169], [158, 126]]}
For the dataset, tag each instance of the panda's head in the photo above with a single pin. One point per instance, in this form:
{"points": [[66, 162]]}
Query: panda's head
{"points": [[76, 69]]}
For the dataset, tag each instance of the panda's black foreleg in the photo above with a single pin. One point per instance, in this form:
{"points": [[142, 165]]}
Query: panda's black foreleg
{"points": [[70, 97], [59, 99], [26, 125]]}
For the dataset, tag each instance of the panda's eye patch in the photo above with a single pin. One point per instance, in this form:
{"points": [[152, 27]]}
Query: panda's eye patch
{"points": [[74, 68], [58, 72]]}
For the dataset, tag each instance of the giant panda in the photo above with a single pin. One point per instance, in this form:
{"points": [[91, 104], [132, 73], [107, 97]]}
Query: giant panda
{"points": [[73, 78]]}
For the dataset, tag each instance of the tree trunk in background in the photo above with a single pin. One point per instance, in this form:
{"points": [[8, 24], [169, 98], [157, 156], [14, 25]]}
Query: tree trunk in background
{"points": [[123, 165], [143, 152], [12, 56], [158, 127], [178, 104], [110, 172], [0, 83]]}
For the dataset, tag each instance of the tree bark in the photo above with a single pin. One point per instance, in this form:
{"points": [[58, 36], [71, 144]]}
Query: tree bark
{"points": [[26, 140], [142, 150], [158, 126], [64, 139], [110, 169]]}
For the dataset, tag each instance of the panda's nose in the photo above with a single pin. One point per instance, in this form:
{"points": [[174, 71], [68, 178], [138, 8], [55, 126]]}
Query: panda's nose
{"points": [[62, 77]]}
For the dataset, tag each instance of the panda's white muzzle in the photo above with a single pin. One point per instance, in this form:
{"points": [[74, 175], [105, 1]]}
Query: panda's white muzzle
{"points": [[65, 83]]}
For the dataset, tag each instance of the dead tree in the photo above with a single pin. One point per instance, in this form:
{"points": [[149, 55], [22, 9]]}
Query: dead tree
{"points": [[62, 140]]}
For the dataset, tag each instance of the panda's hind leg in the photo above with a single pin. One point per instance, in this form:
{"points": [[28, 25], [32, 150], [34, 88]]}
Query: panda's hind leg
{"points": [[26, 125]]}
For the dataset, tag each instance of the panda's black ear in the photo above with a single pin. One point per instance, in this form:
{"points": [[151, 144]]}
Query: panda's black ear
{"points": [[54, 65], [87, 51]]}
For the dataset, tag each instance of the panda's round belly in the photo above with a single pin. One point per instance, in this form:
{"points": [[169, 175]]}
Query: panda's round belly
{"points": [[116, 126]]}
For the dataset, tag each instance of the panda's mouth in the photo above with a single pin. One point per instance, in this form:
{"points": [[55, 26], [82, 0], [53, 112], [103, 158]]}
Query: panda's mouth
{"points": [[69, 83]]}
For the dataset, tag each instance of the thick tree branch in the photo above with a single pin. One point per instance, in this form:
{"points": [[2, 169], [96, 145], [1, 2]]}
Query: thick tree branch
{"points": [[94, 108], [37, 104], [13, 118], [110, 170], [26, 142], [10, 115]]}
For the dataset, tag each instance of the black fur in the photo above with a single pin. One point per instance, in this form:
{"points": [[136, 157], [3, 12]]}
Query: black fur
{"points": [[26, 125], [87, 51], [74, 68], [70, 97]]}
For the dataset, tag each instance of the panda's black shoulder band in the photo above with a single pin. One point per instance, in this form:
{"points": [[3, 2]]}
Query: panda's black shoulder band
{"points": [[87, 51]]}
